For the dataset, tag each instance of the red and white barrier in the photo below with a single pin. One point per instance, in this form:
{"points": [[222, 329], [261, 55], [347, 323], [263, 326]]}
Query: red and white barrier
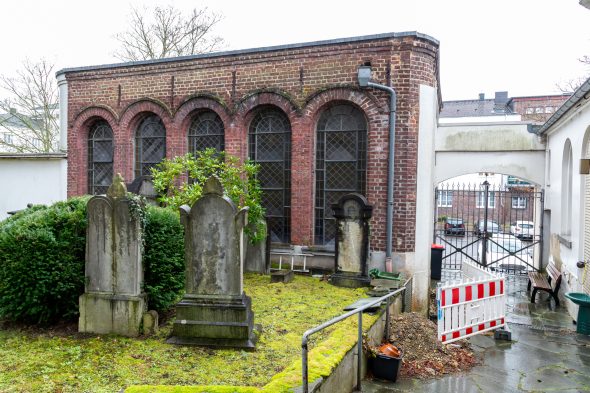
{"points": [[471, 306]]}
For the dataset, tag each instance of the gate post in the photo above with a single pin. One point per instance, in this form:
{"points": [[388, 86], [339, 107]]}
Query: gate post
{"points": [[484, 246]]}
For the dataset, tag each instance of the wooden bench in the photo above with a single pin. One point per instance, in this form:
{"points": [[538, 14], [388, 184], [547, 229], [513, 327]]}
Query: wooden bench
{"points": [[548, 283]]}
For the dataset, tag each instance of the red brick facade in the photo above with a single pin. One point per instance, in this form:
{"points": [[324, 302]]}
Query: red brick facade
{"points": [[538, 109], [301, 80]]}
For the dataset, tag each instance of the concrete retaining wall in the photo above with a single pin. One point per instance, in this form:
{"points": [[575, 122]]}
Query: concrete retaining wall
{"points": [[343, 377]]}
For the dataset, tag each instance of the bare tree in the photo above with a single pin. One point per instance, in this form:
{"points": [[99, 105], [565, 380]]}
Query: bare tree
{"points": [[166, 32], [29, 113], [573, 84]]}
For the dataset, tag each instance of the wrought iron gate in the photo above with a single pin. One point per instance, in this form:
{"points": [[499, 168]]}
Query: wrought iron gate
{"points": [[499, 227]]}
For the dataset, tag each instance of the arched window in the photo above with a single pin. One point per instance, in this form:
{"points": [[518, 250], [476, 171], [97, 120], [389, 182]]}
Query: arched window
{"points": [[341, 164], [150, 145], [270, 147], [100, 158], [206, 130], [566, 189]]}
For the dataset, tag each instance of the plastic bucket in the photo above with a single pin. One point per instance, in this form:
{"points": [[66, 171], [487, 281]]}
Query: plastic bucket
{"points": [[385, 367]]}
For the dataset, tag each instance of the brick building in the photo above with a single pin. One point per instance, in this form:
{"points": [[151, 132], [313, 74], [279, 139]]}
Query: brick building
{"points": [[296, 109], [537, 109], [534, 109]]}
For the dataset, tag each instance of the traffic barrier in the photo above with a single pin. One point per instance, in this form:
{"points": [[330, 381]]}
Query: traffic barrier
{"points": [[471, 306]]}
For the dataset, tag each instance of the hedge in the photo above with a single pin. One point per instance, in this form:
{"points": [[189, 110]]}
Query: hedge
{"points": [[42, 252], [163, 258]]}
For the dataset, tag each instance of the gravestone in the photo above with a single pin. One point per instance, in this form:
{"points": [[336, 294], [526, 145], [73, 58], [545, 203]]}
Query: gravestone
{"points": [[352, 214], [144, 186], [113, 301], [214, 311]]}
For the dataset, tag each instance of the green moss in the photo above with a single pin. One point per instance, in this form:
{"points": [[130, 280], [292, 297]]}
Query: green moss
{"points": [[42, 363], [191, 389]]}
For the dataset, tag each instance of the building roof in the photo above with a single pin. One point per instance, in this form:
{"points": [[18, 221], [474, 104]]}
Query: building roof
{"points": [[471, 108], [580, 95], [11, 120], [254, 50]]}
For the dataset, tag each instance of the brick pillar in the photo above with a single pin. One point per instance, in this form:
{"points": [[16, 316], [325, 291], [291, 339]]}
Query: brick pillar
{"points": [[302, 182]]}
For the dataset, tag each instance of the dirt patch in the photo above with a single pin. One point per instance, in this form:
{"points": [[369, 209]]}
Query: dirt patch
{"points": [[58, 329], [423, 355]]}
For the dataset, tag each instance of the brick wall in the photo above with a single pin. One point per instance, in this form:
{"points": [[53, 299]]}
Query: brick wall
{"points": [[301, 80], [538, 109]]}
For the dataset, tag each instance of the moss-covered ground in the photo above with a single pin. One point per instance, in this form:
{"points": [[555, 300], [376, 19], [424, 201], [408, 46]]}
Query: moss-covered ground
{"points": [[37, 361]]}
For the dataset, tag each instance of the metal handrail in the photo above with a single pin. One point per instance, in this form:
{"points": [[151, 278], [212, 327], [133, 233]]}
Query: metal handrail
{"points": [[359, 311]]}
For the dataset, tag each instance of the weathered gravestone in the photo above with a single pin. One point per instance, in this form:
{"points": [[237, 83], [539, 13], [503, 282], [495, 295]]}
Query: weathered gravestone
{"points": [[113, 301], [214, 311], [144, 186], [352, 213]]}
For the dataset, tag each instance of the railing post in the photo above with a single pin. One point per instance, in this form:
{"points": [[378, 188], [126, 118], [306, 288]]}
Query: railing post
{"points": [[304, 367], [484, 245], [387, 320], [359, 352]]}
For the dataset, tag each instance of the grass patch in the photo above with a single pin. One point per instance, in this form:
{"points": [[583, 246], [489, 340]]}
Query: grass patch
{"points": [[40, 362]]}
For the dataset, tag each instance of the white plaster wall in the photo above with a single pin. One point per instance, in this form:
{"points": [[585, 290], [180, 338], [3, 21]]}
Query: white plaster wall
{"points": [[573, 127], [479, 119], [420, 265], [31, 180], [526, 165], [501, 147]]}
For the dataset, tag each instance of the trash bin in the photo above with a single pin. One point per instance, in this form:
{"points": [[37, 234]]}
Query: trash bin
{"points": [[385, 367], [436, 252]]}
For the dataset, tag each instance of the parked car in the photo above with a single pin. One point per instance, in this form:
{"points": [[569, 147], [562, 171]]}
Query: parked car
{"points": [[522, 229], [492, 227], [454, 226], [505, 251]]}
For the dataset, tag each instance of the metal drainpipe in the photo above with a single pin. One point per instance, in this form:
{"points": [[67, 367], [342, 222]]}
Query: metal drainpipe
{"points": [[390, 173]]}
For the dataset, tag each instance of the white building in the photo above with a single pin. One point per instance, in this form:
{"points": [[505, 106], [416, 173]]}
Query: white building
{"points": [[567, 184]]}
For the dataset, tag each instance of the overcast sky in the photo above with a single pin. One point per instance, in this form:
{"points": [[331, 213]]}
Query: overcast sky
{"points": [[523, 46]]}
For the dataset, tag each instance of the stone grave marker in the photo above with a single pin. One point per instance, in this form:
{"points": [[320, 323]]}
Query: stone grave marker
{"points": [[214, 311], [113, 301], [352, 213]]}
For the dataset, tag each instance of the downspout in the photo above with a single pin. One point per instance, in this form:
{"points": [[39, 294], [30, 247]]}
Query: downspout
{"points": [[364, 74]]}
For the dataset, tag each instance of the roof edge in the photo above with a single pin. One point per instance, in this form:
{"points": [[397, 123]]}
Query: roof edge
{"points": [[579, 95], [33, 156], [252, 50]]}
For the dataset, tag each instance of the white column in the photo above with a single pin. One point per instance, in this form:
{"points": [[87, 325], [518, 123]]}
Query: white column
{"points": [[424, 197], [62, 85]]}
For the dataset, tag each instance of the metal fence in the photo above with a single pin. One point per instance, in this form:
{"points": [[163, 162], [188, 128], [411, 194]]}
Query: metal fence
{"points": [[496, 227]]}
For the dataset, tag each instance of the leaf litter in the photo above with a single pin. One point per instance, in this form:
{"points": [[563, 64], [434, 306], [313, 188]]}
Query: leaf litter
{"points": [[423, 355]]}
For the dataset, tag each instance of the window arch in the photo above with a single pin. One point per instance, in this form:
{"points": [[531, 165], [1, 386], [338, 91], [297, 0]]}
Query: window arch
{"points": [[206, 130], [150, 145], [270, 147], [100, 157], [341, 164], [566, 189]]}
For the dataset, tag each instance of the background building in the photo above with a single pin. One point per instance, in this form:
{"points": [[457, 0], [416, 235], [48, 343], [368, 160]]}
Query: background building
{"points": [[295, 109]]}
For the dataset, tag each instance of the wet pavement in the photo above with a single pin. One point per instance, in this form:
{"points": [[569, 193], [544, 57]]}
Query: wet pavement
{"points": [[545, 354]]}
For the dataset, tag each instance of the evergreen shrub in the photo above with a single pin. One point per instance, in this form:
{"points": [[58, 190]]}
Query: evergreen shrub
{"points": [[42, 253]]}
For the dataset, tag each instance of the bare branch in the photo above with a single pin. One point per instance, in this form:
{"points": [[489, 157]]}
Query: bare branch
{"points": [[165, 32], [29, 116]]}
